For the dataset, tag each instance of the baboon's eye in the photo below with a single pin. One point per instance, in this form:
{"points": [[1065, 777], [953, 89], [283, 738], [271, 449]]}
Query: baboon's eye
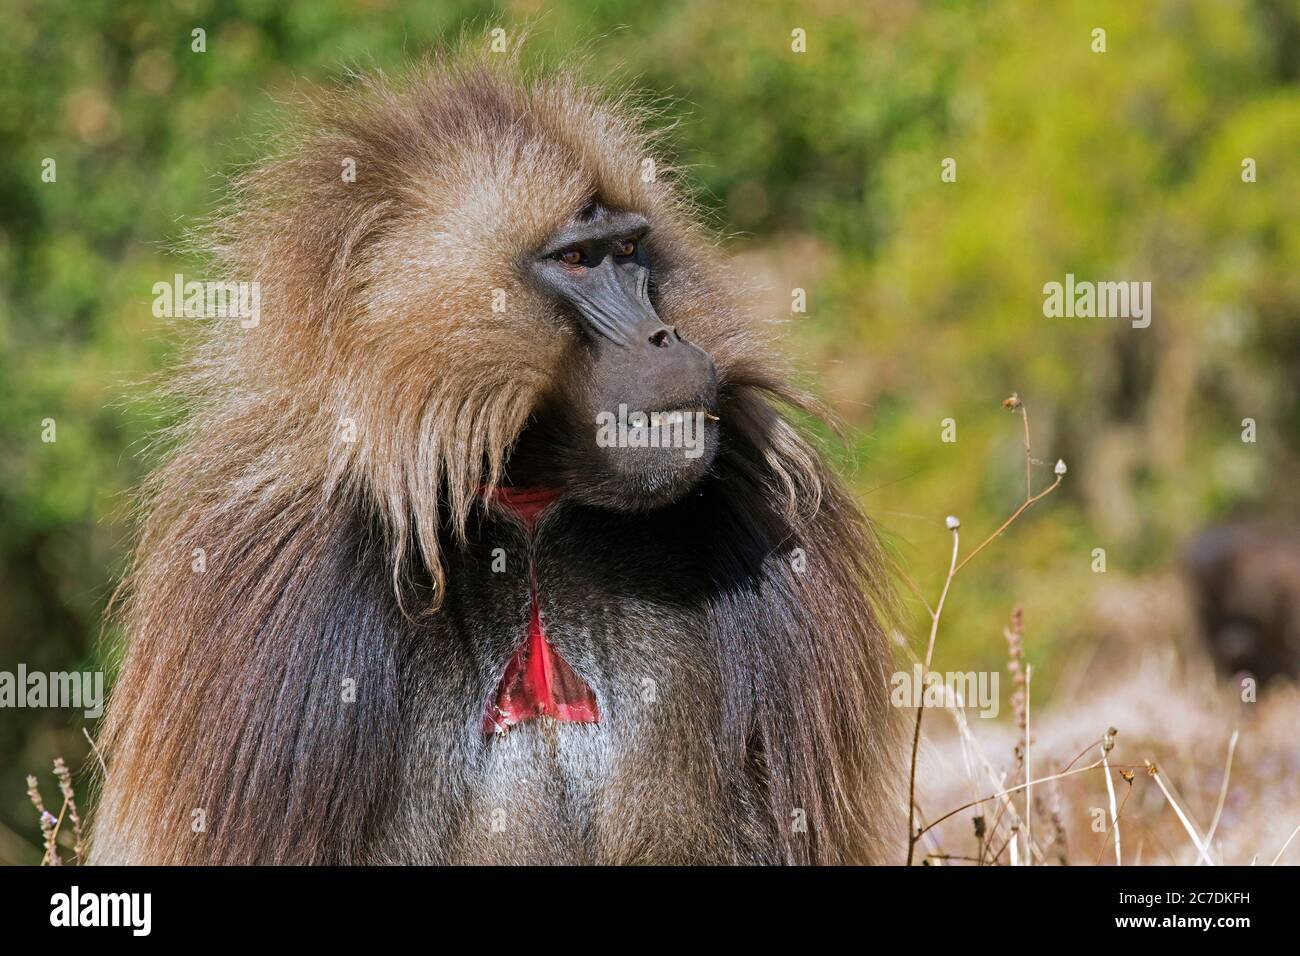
{"points": [[572, 257], [624, 247]]}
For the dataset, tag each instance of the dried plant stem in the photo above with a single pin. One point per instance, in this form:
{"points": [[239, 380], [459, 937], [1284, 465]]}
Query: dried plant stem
{"points": [[1011, 790], [58, 823], [1106, 836], [912, 834], [1005, 807], [1284, 846], [994, 857], [70, 806], [1223, 790], [935, 849], [1154, 771], [1006, 524], [997, 822], [1114, 812], [1014, 634], [1029, 806], [938, 610], [1080, 754], [972, 746], [1029, 462], [49, 825]]}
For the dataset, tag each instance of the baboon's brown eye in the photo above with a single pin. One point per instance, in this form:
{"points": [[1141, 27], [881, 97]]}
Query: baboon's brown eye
{"points": [[572, 257], [624, 247]]}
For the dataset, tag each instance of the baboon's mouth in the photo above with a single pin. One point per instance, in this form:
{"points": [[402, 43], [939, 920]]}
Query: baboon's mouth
{"points": [[675, 416]]}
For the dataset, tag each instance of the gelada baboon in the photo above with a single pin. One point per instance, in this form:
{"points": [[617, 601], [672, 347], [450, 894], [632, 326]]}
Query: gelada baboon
{"points": [[1245, 586], [490, 541]]}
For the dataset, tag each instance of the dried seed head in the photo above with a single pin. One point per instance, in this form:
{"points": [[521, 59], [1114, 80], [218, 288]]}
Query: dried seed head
{"points": [[1013, 402]]}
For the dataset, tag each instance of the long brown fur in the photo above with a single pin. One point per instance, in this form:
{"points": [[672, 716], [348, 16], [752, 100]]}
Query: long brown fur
{"points": [[376, 315]]}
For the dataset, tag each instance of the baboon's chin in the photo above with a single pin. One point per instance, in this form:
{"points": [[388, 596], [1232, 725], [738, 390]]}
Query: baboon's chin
{"points": [[618, 460], [644, 478]]}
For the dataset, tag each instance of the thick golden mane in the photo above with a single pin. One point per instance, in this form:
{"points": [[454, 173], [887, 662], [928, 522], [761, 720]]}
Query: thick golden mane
{"points": [[398, 354], [398, 357]]}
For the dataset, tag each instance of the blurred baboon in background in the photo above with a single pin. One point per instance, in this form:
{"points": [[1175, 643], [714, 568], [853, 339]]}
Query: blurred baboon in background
{"points": [[454, 606], [1245, 582]]}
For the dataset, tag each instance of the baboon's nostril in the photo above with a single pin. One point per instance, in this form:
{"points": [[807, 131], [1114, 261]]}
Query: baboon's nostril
{"points": [[661, 339]]}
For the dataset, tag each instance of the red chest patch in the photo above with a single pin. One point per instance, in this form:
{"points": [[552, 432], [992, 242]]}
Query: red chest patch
{"points": [[538, 682]]}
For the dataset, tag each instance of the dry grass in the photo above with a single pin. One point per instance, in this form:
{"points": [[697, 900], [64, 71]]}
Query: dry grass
{"points": [[53, 833], [1143, 755], [1171, 713], [915, 832]]}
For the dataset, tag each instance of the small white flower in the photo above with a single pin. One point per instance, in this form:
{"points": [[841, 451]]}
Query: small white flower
{"points": [[1060, 466], [953, 522]]}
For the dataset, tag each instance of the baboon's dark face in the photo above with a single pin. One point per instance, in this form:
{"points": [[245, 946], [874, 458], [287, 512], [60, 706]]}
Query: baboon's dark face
{"points": [[634, 426]]}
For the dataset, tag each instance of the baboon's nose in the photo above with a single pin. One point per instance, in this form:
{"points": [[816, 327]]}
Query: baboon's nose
{"points": [[669, 368]]}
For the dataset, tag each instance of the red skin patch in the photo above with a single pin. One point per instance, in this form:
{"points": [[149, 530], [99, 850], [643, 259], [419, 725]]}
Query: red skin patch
{"points": [[538, 682]]}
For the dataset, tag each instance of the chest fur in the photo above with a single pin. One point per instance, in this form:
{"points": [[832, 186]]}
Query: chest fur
{"points": [[631, 616]]}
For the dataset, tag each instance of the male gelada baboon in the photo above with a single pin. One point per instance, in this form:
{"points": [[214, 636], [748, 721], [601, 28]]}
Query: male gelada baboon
{"points": [[416, 584]]}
